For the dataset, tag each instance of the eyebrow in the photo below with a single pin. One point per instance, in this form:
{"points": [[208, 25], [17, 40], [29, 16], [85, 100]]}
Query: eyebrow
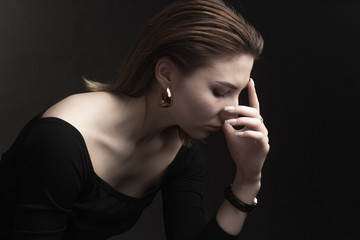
{"points": [[227, 84]]}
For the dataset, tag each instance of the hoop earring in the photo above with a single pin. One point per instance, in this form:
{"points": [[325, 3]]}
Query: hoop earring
{"points": [[165, 99]]}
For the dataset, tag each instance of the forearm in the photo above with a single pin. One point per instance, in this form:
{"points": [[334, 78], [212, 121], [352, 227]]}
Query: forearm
{"points": [[248, 148], [229, 218]]}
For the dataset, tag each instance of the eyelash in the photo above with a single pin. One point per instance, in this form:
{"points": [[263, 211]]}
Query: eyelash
{"points": [[219, 95]]}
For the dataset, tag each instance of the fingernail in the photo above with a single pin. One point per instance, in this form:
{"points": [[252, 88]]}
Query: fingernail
{"points": [[231, 121], [239, 133], [229, 108], [252, 81]]}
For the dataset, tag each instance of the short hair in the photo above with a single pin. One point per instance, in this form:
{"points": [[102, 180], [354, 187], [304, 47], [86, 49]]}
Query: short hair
{"points": [[189, 32]]}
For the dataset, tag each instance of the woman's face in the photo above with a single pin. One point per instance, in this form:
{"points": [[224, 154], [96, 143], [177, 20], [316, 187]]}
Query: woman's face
{"points": [[200, 99]]}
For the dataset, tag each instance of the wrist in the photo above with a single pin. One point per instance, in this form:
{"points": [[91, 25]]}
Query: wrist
{"points": [[243, 178], [246, 190], [237, 203]]}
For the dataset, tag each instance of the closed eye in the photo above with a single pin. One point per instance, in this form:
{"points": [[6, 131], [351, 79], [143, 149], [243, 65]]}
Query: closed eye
{"points": [[218, 94]]}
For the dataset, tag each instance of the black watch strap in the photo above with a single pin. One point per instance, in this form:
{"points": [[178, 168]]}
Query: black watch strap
{"points": [[237, 203]]}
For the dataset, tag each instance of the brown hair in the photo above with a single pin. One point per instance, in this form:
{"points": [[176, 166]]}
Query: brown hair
{"points": [[189, 32]]}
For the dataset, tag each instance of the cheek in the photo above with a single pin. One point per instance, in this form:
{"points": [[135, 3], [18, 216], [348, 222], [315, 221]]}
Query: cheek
{"points": [[201, 104], [196, 101]]}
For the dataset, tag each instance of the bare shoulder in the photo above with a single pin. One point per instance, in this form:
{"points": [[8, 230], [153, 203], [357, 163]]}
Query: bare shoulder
{"points": [[78, 109]]}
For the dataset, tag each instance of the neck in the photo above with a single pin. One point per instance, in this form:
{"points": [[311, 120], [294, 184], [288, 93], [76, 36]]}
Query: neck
{"points": [[142, 119]]}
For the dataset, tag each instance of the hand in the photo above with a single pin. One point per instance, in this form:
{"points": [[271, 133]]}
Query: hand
{"points": [[249, 146]]}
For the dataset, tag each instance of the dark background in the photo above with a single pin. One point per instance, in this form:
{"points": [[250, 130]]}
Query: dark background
{"points": [[307, 82]]}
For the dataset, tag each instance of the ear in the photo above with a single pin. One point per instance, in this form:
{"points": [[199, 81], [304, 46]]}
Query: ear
{"points": [[165, 71]]}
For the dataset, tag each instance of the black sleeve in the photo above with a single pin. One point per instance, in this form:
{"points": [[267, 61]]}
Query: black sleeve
{"points": [[184, 216], [50, 176]]}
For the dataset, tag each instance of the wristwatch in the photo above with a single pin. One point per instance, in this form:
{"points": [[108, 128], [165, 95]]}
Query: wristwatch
{"points": [[237, 203]]}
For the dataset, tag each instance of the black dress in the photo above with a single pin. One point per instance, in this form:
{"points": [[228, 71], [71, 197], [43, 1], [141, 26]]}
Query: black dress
{"points": [[49, 190]]}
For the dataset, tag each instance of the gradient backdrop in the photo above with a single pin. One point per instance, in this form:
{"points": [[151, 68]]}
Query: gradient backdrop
{"points": [[307, 82]]}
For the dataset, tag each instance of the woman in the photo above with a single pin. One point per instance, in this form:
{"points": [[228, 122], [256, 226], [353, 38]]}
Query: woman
{"points": [[86, 167]]}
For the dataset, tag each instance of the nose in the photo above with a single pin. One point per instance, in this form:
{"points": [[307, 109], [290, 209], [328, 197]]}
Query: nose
{"points": [[224, 115]]}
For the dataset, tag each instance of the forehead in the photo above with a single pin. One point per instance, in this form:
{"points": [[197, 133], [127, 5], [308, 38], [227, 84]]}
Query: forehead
{"points": [[240, 64], [235, 70]]}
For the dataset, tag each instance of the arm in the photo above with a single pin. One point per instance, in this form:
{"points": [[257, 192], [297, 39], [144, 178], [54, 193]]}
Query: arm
{"points": [[48, 182], [248, 148], [184, 215], [183, 194]]}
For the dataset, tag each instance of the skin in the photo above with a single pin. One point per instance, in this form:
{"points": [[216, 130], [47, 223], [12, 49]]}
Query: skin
{"points": [[131, 150], [220, 85], [199, 99]]}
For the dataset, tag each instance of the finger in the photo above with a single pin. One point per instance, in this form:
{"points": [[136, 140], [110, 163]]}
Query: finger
{"points": [[228, 129], [248, 123], [243, 110], [253, 99], [256, 135]]}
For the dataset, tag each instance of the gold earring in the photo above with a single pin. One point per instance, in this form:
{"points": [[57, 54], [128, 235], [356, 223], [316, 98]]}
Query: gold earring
{"points": [[165, 99]]}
